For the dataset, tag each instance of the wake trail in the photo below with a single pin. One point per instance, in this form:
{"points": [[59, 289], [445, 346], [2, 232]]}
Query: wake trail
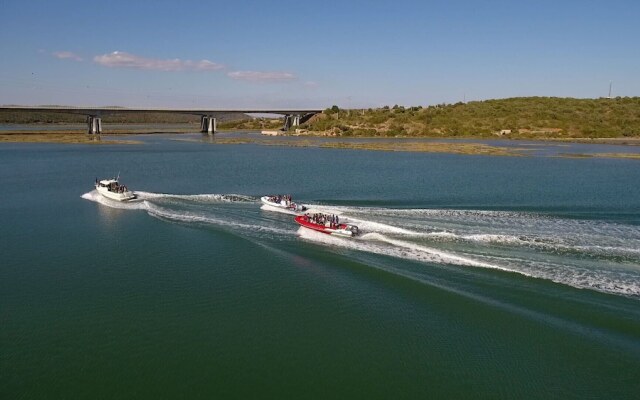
{"points": [[380, 244], [593, 254], [190, 218], [442, 256], [199, 198], [145, 202], [514, 229], [137, 204]]}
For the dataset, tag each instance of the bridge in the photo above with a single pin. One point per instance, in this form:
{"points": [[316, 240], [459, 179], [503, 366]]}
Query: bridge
{"points": [[208, 122]]}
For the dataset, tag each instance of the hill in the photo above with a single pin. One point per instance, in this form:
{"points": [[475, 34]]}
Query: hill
{"points": [[523, 117]]}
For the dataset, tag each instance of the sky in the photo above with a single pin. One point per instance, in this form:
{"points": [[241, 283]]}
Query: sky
{"points": [[304, 54]]}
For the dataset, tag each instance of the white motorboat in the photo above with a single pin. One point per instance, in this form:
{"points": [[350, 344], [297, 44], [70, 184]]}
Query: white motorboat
{"points": [[283, 202], [114, 190]]}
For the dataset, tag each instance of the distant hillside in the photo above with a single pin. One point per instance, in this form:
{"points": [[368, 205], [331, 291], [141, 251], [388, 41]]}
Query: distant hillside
{"points": [[17, 117], [522, 117], [515, 117]]}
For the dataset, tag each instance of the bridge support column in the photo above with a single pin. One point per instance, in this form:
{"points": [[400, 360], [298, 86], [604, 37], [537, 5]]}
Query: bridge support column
{"points": [[287, 122], [94, 125], [213, 125], [291, 120], [208, 124]]}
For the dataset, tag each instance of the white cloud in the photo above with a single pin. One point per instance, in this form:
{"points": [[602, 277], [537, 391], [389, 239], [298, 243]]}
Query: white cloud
{"points": [[121, 59], [67, 55], [262, 76]]}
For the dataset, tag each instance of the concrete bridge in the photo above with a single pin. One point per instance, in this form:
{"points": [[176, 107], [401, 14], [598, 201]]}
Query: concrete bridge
{"points": [[292, 117]]}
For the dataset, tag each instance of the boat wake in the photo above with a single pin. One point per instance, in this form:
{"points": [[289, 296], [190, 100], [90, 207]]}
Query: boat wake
{"points": [[267, 207], [136, 204], [199, 198], [587, 254]]}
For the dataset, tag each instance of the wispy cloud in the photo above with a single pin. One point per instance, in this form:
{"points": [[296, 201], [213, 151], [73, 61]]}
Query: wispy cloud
{"points": [[262, 76], [121, 59], [311, 84], [67, 55]]}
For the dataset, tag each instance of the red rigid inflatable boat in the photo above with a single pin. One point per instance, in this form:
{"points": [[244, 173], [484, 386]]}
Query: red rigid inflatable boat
{"points": [[328, 228]]}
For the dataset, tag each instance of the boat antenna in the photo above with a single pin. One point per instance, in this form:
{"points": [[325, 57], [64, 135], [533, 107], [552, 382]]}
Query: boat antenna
{"points": [[118, 178]]}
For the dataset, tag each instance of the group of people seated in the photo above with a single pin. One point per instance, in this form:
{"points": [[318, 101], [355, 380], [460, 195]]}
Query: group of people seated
{"points": [[285, 199], [279, 197], [329, 220], [113, 187]]}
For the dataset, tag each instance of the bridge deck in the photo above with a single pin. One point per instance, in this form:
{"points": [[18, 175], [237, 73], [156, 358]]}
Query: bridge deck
{"points": [[194, 111]]}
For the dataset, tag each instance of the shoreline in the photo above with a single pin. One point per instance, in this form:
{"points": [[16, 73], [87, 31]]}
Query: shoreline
{"points": [[58, 137], [621, 141], [397, 144]]}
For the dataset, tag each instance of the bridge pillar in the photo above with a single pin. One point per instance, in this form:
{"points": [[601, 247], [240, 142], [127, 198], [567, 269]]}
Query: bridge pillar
{"points": [[203, 123], [208, 124], [291, 120], [213, 125], [94, 125], [287, 122]]}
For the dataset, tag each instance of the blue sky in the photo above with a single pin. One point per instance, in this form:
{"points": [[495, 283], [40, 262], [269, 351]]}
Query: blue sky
{"points": [[298, 54]]}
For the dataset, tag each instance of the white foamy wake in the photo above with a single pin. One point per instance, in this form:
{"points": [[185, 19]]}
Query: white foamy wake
{"points": [[599, 255], [137, 204], [144, 202], [587, 254], [267, 207], [191, 217], [199, 198], [505, 228], [397, 248], [612, 281]]}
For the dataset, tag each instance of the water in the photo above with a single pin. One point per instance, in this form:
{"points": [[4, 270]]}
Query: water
{"points": [[474, 276], [107, 127]]}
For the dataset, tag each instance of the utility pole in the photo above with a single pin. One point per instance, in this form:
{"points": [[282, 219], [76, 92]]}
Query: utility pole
{"points": [[610, 83]]}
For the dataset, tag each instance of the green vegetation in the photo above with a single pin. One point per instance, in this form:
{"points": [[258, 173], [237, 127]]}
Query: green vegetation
{"points": [[525, 117], [408, 145], [253, 124], [401, 145], [521, 118]]}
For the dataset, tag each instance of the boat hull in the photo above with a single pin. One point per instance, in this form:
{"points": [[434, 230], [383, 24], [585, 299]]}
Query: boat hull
{"points": [[341, 230], [296, 210]]}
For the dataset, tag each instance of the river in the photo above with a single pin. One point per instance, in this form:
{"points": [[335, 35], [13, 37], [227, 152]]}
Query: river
{"points": [[474, 276]]}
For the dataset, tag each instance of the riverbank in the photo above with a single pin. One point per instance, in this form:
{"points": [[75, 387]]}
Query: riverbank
{"points": [[624, 141], [58, 137], [403, 146], [408, 145], [511, 148]]}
